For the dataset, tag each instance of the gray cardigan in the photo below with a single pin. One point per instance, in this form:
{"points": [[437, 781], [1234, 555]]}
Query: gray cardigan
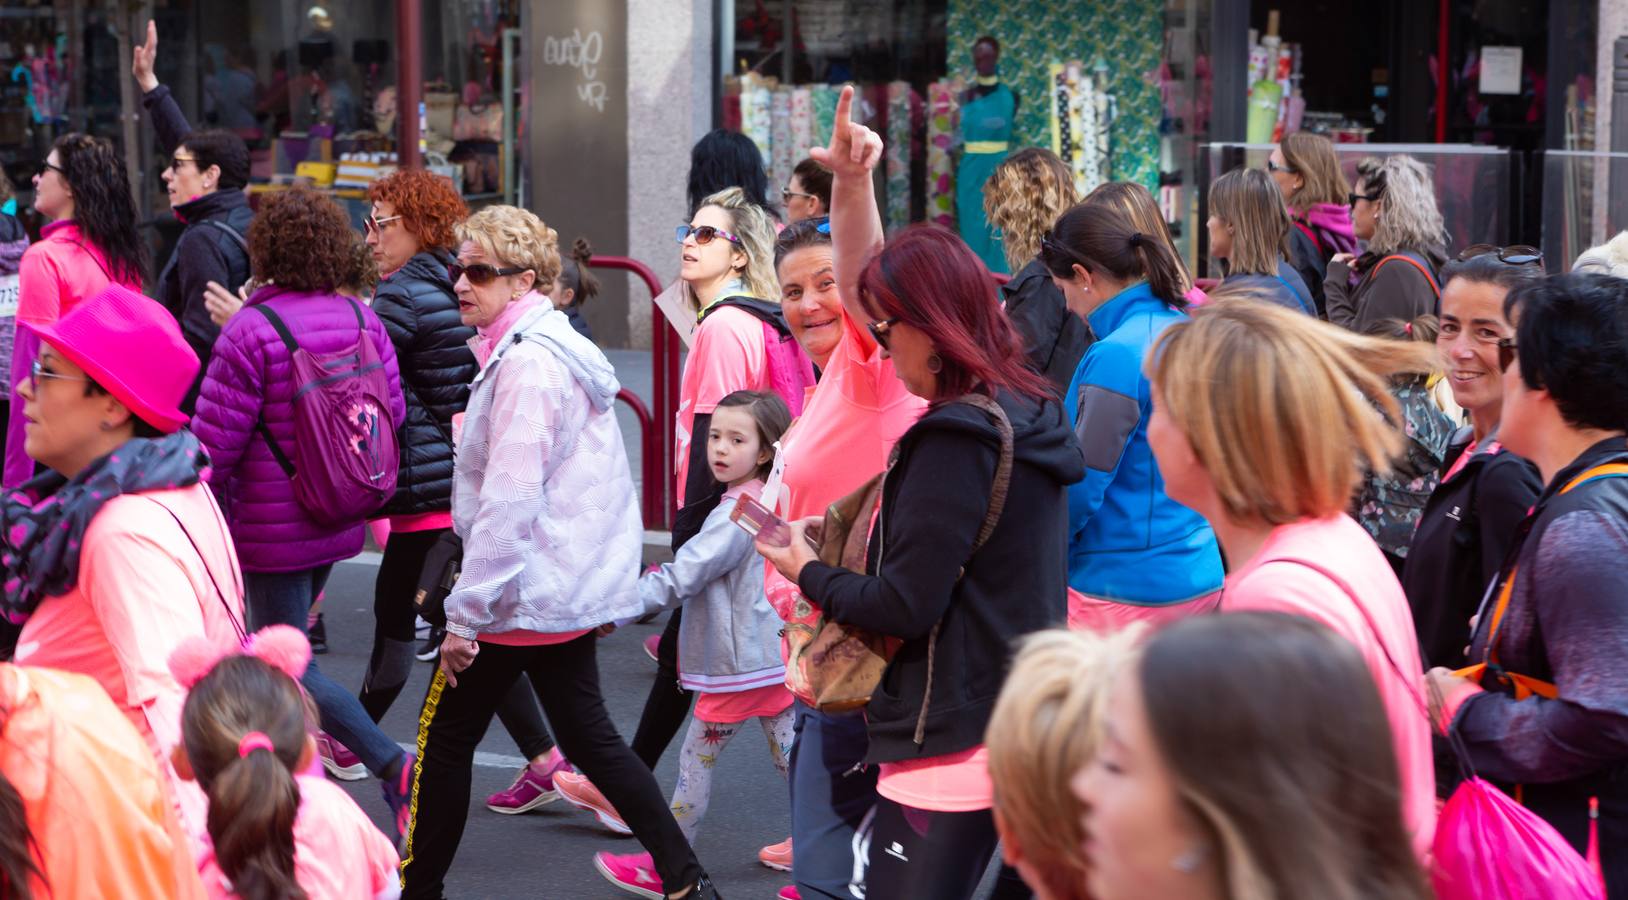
{"points": [[729, 639]]}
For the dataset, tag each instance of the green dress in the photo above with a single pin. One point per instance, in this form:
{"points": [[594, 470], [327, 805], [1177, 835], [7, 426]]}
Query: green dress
{"points": [[986, 123]]}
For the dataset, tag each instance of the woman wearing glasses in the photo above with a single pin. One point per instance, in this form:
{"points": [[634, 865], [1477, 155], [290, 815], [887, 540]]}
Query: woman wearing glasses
{"points": [[544, 502], [1469, 521], [1393, 209], [808, 194], [1314, 188], [91, 242], [302, 248]]}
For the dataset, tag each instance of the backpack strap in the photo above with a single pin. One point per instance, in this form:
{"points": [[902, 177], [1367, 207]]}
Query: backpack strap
{"points": [[1424, 270], [1305, 304], [260, 427], [997, 502], [768, 313], [238, 238], [279, 326], [220, 518], [1312, 235]]}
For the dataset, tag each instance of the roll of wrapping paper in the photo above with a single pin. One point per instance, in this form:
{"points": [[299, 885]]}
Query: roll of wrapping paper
{"points": [[943, 128], [780, 136], [757, 120], [898, 155], [825, 112], [802, 122]]}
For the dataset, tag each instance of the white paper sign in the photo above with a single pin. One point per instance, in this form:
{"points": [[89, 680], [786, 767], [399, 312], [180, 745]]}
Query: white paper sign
{"points": [[8, 295], [1500, 70]]}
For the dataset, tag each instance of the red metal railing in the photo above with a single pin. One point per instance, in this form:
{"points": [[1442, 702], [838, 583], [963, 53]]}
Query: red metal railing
{"points": [[655, 427]]}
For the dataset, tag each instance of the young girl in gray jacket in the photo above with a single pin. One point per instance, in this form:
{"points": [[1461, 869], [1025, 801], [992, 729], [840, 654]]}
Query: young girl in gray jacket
{"points": [[729, 642]]}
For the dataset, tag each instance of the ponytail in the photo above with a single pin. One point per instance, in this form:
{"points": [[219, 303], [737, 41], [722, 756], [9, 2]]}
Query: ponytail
{"points": [[252, 806], [1164, 272], [576, 274], [18, 849], [1102, 237]]}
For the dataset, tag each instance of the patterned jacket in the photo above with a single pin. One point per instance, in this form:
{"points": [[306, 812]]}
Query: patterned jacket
{"points": [[1390, 507], [542, 494]]}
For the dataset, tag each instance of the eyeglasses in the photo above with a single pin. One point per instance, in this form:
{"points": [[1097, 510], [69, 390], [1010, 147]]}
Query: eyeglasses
{"points": [[176, 161], [375, 225], [1275, 168], [47, 167], [1351, 199], [1515, 255], [479, 274], [38, 371], [787, 193], [1506, 354], [879, 331], [703, 234]]}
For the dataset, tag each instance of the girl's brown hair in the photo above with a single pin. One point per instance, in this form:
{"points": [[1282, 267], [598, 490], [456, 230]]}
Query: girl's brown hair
{"points": [[769, 413], [253, 798], [1137, 203], [1102, 237], [1296, 802], [576, 275], [1252, 206], [1312, 157], [1285, 412], [1024, 197]]}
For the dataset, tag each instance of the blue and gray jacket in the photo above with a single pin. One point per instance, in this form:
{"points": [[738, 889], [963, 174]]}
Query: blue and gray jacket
{"points": [[1128, 541]]}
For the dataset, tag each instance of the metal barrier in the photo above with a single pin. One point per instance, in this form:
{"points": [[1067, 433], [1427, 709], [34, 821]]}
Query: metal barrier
{"points": [[655, 427]]}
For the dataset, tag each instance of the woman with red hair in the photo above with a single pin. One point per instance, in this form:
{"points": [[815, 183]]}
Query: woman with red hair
{"points": [[968, 551]]}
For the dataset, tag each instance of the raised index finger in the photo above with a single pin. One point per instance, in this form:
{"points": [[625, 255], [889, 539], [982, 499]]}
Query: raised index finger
{"points": [[845, 102]]}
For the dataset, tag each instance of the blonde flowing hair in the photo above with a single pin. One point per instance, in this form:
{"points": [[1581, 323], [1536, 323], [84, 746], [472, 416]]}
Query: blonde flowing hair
{"points": [[1046, 727], [1285, 412], [1024, 197], [752, 224], [1411, 220]]}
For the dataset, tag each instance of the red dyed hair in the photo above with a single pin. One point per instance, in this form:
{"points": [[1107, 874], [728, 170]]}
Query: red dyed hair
{"points": [[428, 204], [929, 279]]}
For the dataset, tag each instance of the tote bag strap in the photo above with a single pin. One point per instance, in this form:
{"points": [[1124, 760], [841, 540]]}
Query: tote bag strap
{"points": [[237, 625]]}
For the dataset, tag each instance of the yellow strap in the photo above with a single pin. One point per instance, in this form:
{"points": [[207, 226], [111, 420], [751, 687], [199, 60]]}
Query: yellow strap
{"points": [[987, 146], [1596, 472]]}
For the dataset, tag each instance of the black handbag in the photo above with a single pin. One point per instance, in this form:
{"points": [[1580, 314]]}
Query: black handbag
{"points": [[441, 568]]}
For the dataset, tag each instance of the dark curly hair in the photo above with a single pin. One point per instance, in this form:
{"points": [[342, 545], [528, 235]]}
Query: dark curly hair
{"points": [[215, 147], [303, 241], [427, 203], [103, 209]]}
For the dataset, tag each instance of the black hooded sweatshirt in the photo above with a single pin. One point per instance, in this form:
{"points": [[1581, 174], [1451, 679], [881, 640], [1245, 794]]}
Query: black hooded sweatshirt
{"points": [[920, 570]]}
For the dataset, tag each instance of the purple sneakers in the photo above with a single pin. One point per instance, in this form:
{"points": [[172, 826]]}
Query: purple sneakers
{"points": [[534, 787], [398, 795]]}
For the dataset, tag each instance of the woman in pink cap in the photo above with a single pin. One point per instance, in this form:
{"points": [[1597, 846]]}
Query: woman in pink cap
{"points": [[117, 552]]}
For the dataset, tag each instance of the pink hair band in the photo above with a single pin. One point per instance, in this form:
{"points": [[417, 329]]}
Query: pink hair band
{"points": [[255, 740]]}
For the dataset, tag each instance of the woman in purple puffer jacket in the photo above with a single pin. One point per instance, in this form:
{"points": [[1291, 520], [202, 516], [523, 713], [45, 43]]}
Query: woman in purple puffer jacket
{"points": [[301, 247]]}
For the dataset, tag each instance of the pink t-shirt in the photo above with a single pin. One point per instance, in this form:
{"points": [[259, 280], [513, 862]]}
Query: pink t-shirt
{"points": [[954, 782], [338, 853], [728, 355], [142, 590], [1281, 579], [848, 427], [730, 707]]}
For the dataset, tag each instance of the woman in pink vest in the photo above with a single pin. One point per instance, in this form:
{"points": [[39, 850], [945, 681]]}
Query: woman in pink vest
{"points": [[90, 242]]}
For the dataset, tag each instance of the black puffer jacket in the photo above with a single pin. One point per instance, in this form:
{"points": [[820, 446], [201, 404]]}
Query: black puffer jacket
{"points": [[420, 312]]}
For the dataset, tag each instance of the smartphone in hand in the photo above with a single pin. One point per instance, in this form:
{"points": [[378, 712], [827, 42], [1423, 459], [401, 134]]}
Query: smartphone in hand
{"points": [[760, 521]]}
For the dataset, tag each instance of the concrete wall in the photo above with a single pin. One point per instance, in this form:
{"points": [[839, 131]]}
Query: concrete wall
{"points": [[669, 107]]}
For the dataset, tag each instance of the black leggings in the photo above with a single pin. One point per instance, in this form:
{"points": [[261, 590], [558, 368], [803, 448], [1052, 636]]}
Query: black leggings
{"points": [[394, 642], [943, 855], [566, 678], [668, 704]]}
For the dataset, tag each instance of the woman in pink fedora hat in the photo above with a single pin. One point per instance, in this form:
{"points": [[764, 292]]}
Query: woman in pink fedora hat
{"points": [[117, 552]]}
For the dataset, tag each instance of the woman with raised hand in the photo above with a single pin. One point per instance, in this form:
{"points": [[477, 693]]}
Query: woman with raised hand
{"points": [[1393, 209], [972, 568], [1135, 554], [90, 243], [551, 554], [1244, 757], [1263, 420], [1313, 185], [1249, 233]]}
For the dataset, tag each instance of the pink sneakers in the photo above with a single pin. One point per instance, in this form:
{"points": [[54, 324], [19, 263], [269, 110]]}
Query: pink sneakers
{"points": [[789, 892], [339, 761], [533, 788], [777, 856], [634, 873], [577, 790], [651, 644]]}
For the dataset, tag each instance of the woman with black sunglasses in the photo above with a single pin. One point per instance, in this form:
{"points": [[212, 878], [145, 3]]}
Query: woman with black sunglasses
{"points": [[91, 242], [1470, 519], [1393, 209]]}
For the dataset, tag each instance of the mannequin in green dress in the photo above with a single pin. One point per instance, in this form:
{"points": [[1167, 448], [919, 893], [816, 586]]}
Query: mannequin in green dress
{"points": [[987, 110]]}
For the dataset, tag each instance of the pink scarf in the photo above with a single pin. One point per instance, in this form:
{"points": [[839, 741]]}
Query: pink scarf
{"points": [[487, 337]]}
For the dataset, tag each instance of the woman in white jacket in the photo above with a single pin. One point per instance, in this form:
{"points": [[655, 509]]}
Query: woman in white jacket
{"points": [[552, 544]]}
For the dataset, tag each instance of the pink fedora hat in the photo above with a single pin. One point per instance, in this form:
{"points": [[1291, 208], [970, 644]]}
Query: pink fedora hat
{"points": [[131, 346]]}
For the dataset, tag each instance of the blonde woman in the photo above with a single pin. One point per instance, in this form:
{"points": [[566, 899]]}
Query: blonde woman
{"points": [[1046, 727], [1022, 199], [551, 551], [1393, 209], [1137, 203], [1314, 188], [1258, 415], [1610, 258], [1249, 233]]}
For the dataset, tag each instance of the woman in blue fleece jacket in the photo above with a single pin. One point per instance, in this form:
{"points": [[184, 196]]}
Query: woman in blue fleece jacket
{"points": [[1133, 553]]}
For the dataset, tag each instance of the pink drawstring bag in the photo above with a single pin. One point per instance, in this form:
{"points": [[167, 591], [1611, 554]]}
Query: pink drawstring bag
{"points": [[1481, 831]]}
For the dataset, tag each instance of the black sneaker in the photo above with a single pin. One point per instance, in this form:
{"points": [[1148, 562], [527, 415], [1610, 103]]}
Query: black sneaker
{"points": [[318, 633], [704, 890], [431, 648]]}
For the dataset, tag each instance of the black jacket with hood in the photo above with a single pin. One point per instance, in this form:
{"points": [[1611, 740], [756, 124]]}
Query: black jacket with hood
{"points": [[920, 572], [420, 313], [1054, 338]]}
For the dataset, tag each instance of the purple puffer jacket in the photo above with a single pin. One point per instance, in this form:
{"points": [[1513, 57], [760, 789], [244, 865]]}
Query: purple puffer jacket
{"points": [[251, 374]]}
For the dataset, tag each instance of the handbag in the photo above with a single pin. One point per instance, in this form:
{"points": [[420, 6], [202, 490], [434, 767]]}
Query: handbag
{"points": [[478, 123], [840, 666], [442, 565]]}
